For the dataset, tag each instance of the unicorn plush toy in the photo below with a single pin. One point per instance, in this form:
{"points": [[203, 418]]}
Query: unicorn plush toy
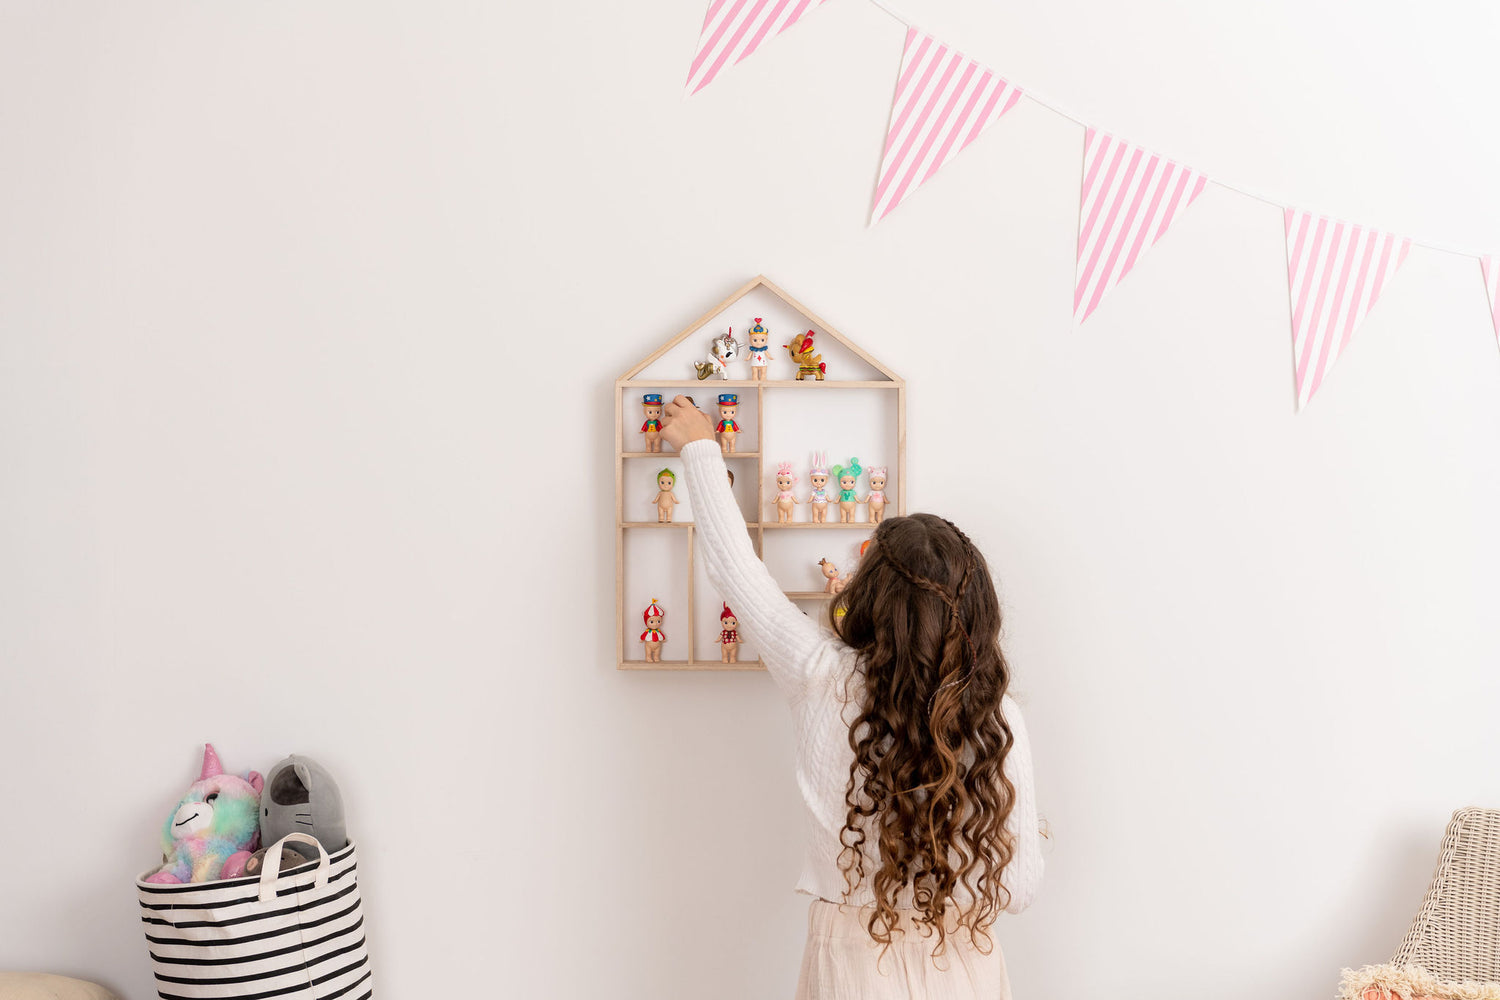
{"points": [[214, 829]]}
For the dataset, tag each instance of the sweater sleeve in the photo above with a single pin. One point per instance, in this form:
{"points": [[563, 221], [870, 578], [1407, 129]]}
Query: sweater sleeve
{"points": [[786, 637], [1023, 876]]}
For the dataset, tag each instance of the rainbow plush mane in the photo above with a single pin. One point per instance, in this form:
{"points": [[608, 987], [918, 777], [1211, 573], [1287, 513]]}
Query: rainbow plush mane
{"points": [[214, 828]]}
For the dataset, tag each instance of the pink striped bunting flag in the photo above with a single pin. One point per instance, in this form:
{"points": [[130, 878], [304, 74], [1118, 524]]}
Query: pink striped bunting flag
{"points": [[1490, 268], [1336, 272], [1130, 199], [733, 29], [943, 101]]}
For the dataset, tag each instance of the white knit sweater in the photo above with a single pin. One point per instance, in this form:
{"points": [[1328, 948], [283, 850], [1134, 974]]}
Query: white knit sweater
{"points": [[811, 665]]}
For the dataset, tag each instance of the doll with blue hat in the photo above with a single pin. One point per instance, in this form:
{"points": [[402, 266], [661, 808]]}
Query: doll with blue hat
{"points": [[726, 428], [651, 402]]}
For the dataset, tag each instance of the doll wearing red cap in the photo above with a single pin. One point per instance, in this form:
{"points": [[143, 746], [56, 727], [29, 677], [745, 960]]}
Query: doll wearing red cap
{"points": [[653, 637], [729, 637]]}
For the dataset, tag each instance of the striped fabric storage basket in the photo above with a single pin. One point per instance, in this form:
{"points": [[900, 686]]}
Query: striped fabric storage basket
{"points": [[295, 936]]}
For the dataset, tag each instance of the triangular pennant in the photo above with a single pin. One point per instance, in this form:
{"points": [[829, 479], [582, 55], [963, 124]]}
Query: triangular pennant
{"points": [[732, 29], [1130, 199], [943, 101], [1336, 272], [1490, 268]]}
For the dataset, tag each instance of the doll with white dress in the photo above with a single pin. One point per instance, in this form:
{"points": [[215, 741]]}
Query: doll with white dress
{"points": [[817, 478]]}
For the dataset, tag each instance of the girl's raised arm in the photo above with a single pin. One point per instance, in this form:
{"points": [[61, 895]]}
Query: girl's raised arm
{"points": [[785, 636]]}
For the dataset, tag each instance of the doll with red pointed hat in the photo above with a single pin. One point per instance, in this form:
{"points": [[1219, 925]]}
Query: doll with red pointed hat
{"points": [[726, 428], [653, 637], [729, 637]]}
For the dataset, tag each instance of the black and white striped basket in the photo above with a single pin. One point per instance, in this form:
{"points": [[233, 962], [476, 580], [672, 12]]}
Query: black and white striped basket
{"points": [[296, 936]]}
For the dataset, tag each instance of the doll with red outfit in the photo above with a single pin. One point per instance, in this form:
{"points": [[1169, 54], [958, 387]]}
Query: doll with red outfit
{"points": [[729, 637], [653, 637]]}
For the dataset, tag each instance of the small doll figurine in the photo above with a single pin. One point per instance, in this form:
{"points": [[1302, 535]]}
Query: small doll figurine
{"points": [[760, 350], [725, 350], [665, 500], [785, 498], [831, 574], [876, 499], [848, 479], [818, 478], [651, 401], [653, 637], [808, 362], [726, 428], [729, 637]]}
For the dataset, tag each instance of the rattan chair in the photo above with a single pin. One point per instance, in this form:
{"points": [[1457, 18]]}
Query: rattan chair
{"points": [[1453, 946]]}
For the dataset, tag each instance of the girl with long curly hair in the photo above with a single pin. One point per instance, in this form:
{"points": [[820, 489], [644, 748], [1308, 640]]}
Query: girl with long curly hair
{"points": [[912, 759]]}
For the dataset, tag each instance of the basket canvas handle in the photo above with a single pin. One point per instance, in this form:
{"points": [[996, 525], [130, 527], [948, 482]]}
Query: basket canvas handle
{"points": [[271, 864]]}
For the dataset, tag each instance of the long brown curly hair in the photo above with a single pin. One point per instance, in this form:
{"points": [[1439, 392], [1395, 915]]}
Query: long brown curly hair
{"points": [[927, 786]]}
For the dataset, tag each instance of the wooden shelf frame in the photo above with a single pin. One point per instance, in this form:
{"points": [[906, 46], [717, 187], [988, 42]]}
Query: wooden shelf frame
{"points": [[758, 527]]}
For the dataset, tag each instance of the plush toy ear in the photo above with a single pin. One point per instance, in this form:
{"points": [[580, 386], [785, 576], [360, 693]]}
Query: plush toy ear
{"points": [[256, 781]]}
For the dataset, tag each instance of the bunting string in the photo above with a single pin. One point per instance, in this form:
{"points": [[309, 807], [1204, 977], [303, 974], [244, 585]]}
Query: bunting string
{"points": [[1130, 196], [1279, 204]]}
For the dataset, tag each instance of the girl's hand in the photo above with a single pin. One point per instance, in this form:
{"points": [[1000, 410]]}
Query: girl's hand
{"points": [[682, 423]]}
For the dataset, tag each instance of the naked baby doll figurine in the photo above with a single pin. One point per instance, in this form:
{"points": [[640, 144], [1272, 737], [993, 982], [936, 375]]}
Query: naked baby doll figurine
{"points": [[831, 574], [785, 498], [876, 499], [665, 500], [818, 479]]}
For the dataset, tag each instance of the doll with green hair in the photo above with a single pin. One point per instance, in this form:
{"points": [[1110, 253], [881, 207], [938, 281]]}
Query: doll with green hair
{"points": [[665, 500], [847, 476]]}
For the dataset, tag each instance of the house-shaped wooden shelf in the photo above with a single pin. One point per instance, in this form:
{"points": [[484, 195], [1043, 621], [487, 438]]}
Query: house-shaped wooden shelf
{"points": [[857, 410]]}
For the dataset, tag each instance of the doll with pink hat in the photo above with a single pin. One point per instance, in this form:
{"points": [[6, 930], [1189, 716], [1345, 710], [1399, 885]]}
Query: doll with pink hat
{"points": [[785, 498]]}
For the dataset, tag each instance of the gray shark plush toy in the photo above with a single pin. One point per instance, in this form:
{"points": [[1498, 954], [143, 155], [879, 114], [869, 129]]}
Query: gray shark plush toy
{"points": [[301, 797]]}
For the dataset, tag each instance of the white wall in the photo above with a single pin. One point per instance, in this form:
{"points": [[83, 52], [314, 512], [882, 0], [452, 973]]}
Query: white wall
{"points": [[310, 315]]}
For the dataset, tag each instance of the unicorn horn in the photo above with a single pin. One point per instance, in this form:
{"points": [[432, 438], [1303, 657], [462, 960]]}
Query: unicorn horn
{"points": [[211, 765]]}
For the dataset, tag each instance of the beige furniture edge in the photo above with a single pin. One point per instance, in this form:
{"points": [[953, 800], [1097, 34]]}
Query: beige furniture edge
{"points": [[1452, 949]]}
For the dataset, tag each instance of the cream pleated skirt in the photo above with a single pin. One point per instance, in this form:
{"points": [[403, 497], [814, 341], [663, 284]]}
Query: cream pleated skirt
{"points": [[843, 963]]}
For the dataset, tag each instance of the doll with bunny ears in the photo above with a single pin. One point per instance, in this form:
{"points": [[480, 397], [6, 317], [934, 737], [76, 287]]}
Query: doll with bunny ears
{"points": [[818, 478], [215, 827]]}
